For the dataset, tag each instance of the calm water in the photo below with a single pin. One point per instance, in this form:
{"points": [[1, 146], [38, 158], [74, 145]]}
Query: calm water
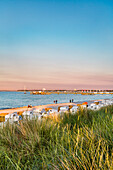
{"points": [[18, 99]]}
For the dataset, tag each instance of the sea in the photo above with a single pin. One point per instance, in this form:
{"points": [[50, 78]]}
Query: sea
{"points": [[19, 99]]}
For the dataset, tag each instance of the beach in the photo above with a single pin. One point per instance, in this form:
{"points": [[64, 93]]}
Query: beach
{"points": [[54, 106], [20, 101], [20, 109]]}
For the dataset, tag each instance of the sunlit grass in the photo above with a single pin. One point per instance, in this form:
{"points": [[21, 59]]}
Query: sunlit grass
{"points": [[80, 141]]}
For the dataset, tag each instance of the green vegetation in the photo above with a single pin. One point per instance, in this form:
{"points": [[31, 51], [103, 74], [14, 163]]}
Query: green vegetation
{"points": [[80, 141]]}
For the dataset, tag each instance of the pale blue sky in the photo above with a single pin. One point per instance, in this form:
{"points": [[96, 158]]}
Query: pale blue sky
{"points": [[56, 42]]}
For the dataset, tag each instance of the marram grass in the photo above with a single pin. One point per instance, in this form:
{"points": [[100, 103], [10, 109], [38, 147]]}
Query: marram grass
{"points": [[80, 141]]}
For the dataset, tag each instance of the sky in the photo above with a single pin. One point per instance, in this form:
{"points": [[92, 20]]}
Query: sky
{"points": [[56, 44]]}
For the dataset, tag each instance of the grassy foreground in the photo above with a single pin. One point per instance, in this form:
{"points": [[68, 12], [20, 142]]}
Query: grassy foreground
{"points": [[80, 141]]}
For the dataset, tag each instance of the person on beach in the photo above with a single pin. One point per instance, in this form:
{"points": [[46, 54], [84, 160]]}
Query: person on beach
{"points": [[70, 101], [56, 101]]}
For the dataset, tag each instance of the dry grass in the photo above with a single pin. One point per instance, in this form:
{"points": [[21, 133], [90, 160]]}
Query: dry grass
{"points": [[80, 141]]}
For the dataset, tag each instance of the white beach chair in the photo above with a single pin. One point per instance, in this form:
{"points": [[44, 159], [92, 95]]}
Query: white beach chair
{"points": [[74, 109], [64, 109]]}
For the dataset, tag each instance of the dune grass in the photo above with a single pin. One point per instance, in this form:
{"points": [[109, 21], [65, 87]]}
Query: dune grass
{"points": [[80, 141]]}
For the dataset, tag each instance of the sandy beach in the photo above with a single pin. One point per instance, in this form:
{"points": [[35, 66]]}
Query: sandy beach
{"points": [[20, 109], [55, 106]]}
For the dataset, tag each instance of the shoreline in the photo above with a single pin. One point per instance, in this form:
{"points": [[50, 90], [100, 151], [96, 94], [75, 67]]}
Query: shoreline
{"points": [[19, 109], [24, 108]]}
